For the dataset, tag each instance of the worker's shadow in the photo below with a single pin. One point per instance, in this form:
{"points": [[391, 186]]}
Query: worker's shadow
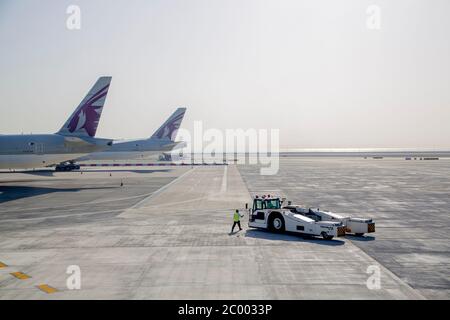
{"points": [[288, 236]]}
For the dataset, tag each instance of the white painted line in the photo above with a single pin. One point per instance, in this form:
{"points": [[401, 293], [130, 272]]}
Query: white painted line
{"points": [[223, 189], [413, 292], [77, 205], [160, 190], [61, 216]]}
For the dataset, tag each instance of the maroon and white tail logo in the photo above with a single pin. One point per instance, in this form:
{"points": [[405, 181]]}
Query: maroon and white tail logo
{"points": [[88, 115], [168, 130]]}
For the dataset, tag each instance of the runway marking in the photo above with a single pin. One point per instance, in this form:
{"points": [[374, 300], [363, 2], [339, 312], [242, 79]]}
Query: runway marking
{"points": [[160, 190], [3, 265], [62, 216], [223, 188], [20, 275], [417, 295], [46, 288], [77, 204], [85, 203], [170, 204]]}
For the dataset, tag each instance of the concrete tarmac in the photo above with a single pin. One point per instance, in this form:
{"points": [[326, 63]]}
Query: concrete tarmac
{"points": [[409, 200], [165, 234]]}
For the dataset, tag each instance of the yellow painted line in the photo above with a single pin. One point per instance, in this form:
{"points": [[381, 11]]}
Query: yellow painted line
{"points": [[3, 265], [20, 275], [46, 288]]}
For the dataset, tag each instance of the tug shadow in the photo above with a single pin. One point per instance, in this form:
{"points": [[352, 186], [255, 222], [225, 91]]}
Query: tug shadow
{"points": [[360, 238], [289, 236]]}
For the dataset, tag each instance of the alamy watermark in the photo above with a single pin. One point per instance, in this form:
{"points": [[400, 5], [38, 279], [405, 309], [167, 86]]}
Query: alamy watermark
{"points": [[374, 280], [373, 21], [73, 21], [242, 146], [73, 282]]}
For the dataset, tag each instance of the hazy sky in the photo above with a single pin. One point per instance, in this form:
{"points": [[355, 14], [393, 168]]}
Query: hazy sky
{"points": [[310, 68]]}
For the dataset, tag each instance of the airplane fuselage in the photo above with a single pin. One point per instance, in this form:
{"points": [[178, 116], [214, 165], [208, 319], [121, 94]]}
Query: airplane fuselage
{"points": [[136, 149], [41, 150]]}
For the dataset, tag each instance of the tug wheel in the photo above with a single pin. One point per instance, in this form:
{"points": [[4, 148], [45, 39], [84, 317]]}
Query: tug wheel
{"points": [[276, 223], [326, 236]]}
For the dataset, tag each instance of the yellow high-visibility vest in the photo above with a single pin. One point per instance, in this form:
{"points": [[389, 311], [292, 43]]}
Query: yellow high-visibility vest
{"points": [[236, 217]]}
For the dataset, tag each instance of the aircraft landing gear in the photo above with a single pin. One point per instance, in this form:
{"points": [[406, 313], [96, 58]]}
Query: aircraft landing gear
{"points": [[67, 166]]}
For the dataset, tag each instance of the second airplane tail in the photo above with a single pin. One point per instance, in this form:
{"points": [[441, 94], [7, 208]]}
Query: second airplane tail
{"points": [[170, 128], [84, 120]]}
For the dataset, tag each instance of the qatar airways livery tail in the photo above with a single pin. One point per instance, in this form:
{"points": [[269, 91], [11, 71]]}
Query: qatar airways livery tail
{"points": [[163, 140], [76, 137]]}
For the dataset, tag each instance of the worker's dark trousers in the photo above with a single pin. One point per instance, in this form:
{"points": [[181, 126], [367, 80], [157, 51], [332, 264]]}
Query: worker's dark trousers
{"points": [[236, 223]]}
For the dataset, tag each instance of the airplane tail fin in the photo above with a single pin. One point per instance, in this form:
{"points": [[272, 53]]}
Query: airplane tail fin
{"points": [[170, 128], [84, 120]]}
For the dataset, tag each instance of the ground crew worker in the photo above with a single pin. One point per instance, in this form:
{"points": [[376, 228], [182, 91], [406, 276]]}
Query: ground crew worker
{"points": [[237, 220]]}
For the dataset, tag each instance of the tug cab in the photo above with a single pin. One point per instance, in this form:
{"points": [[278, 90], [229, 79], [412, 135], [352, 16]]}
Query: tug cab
{"points": [[263, 208]]}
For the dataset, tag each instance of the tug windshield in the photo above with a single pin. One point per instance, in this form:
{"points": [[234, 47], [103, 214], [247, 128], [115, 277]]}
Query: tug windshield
{"points": [[258, 204], [273, 204]]}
